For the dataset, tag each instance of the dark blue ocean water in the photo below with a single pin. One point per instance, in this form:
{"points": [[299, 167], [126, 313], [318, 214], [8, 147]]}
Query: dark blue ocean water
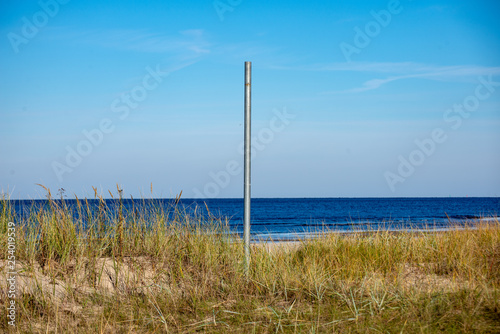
{"points": [[292, 218]]}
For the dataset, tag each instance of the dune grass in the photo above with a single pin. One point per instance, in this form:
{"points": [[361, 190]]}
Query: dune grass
{"points": [[167, 270]]}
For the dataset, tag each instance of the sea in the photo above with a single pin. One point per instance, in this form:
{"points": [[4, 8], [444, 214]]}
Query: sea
{"points": [[299, 218]]}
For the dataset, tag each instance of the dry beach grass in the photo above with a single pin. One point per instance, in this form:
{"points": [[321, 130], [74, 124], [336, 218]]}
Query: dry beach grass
{"points": [[174, 272]]}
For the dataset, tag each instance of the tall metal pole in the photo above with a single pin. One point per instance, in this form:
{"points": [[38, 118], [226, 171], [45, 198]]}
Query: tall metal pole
{"points": [[246, 212]]}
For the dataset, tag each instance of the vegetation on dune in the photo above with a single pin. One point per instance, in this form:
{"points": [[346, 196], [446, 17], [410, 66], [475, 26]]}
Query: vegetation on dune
{"points": [[169, 270]]}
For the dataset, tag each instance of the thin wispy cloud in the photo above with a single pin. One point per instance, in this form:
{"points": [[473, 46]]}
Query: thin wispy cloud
{"points": [[402, 70], [394, 68], [140, 40]]}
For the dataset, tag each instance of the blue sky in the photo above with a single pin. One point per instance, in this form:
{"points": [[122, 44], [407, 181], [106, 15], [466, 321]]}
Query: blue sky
{"points": [[350, 98]]}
